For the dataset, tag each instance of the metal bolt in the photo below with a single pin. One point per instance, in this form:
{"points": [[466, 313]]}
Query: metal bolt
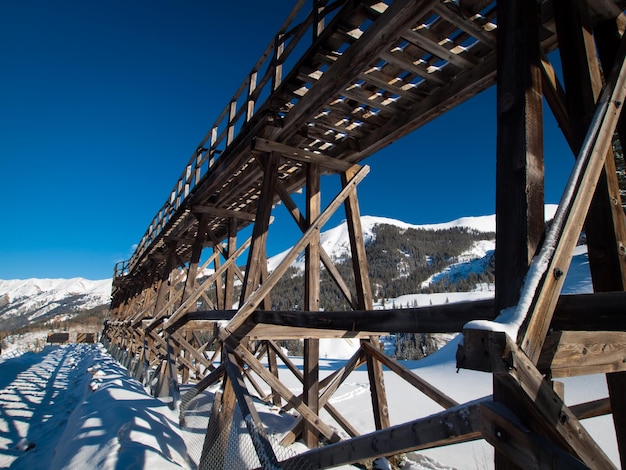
{"points": [[558, 273]]}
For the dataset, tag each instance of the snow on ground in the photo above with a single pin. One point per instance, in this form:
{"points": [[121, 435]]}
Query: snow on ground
{"points": [[74, 407]]}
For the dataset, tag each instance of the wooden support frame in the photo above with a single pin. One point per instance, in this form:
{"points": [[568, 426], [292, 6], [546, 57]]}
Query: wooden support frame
{"points": [[282, 134]]}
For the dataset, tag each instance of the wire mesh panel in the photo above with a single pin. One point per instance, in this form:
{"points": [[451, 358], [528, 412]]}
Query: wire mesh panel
{"points": [[232, 446]]}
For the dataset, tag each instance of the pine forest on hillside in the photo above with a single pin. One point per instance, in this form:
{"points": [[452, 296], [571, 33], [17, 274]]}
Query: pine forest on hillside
{"points": [[400, 261]]}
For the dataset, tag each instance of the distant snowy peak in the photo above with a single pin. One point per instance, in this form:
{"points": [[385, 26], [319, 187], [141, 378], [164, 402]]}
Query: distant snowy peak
{"points": [[24, 301], [336, 241], [18, 288]]}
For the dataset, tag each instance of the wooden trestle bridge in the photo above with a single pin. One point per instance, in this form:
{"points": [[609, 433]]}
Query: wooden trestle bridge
{"points": [[341, 80]]}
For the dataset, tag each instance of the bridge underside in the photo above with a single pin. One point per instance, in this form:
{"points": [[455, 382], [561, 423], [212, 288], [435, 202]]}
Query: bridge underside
{"points": [[337, 84]]}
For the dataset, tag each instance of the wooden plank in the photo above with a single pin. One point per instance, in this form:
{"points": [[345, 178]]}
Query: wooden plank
{"points": [[591, 409], [519, 149], [300, 155], [184, 307], [607, 36], [617, 384], [570, 314], [458, 424], [221, 212], [365, 300], [423, 386], [502, 429], [256, 255], [328, 262], [430, 43], [572, 353], [312, 300], [385, 30], [250, 415]]}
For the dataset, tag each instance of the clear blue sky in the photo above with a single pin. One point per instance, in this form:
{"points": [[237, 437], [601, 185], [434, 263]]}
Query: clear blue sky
{"points": [[102, 104]]}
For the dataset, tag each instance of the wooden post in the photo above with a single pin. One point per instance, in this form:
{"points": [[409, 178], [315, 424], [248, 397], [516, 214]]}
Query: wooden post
{"points": [[604, 225], [519, 159], [364, 300], [196, 253], [257, 253], [312, 303], [519, 164], [229, 283], [608, 40], [164, 284]]}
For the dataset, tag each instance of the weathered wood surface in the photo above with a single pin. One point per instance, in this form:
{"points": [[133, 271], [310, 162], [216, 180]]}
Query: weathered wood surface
{"points": [[458, 424], [374, 72]]}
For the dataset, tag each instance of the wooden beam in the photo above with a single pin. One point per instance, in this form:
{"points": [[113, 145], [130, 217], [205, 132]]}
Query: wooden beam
{"points": [[300, 155], [572, 353], [385, 30], [458, 424], [184, 307], [519, 150], [328, 262], [571, 313], [250, 415], [312, 300], [223, 213], [422, 385], [257, 253], [502, 429]]}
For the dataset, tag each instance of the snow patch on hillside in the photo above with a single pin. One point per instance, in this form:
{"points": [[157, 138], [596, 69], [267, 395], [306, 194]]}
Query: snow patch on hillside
{"points": [[34, 298]]}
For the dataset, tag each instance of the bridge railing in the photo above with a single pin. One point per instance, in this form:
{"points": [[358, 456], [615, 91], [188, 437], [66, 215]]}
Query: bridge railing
{"points": [[265, 77]]}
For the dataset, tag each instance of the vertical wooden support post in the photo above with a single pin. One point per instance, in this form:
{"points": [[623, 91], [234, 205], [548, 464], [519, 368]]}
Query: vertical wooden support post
{"points": [[364, 300], [258, 253], [196, 253], [232, 113], [279, 47], [272, 365], [219, 280], [583, 84], [164, 285], [173, 351], [164, 290], [608, 40], [252, 84], [216, 439], [318, 19], [229, 284], [312, 304], [519, 163]]}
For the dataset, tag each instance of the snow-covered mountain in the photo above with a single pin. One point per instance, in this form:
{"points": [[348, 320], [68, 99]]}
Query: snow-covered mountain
{"points": [[336, 242], [25, 301]]}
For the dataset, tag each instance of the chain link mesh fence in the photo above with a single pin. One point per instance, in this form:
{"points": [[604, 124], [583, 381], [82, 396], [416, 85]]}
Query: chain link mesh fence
{"points": [[237, 445]]}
